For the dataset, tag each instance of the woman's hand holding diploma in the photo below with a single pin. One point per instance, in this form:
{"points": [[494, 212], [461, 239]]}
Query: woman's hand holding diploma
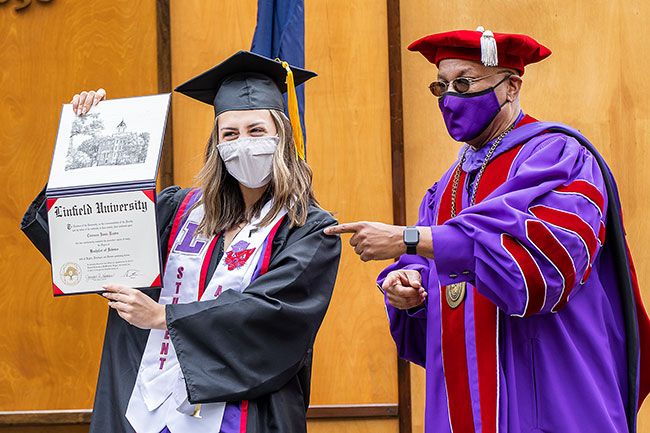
{"points": [[135, 307], [84, 101]]}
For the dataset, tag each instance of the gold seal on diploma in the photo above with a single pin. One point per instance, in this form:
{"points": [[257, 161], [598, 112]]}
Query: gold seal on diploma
{"points": [[70, 273], [455, 294]]}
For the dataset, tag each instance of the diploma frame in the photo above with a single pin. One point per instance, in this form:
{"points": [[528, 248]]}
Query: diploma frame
{"points": [[104, 238], [101, 196]]}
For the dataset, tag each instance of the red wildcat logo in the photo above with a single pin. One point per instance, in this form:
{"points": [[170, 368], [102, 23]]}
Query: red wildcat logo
{"points": [[238, 255]]}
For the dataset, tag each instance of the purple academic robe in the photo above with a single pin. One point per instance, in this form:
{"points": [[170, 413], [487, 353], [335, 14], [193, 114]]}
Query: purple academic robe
{"points": [[553, 356]]}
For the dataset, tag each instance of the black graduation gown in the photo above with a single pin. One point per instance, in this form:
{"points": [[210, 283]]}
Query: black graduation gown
{"points": [[255, 345]]}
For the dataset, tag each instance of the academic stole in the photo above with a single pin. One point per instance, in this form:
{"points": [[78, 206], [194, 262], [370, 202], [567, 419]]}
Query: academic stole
{"points": [[159, 397], [486, 320]]}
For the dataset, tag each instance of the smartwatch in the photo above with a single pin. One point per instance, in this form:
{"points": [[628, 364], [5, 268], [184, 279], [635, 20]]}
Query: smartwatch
{"points": [[411, 239]]}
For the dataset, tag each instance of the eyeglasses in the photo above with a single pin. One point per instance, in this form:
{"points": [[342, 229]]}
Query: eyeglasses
{"points": [[460, 84]]}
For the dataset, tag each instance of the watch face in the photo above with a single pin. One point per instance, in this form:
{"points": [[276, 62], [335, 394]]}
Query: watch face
{"points": [[411, 236]]}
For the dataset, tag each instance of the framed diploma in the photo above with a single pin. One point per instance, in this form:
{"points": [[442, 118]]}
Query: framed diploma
{"points": [[101, 196]]}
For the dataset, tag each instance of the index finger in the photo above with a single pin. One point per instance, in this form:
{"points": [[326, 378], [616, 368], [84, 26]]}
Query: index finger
{"points": [[100, 95], [391, 279], [117, 288], [413, 281], [342, 228]]}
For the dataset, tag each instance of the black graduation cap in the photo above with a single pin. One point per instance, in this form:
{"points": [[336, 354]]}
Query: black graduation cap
{"points": [[244, 81]]}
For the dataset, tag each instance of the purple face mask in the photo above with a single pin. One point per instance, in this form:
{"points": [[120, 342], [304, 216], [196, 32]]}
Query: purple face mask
{"points": [[468, 114]]}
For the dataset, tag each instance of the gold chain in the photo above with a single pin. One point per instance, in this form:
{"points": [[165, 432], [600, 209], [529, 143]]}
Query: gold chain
{"points": [[454, 187]]}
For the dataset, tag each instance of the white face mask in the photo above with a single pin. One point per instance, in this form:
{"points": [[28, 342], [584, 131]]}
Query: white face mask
{"points": [[250, 159]]}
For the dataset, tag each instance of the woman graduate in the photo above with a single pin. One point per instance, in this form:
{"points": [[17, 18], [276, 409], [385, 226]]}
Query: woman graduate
{"points": [[226, 345]]}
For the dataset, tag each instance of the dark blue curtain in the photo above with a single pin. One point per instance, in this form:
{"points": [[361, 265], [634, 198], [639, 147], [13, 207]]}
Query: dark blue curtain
{"points": [[280, 33]]}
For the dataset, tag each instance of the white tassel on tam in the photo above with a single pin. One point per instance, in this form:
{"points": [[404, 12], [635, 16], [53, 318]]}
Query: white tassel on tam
{"points": [[489, 56]]}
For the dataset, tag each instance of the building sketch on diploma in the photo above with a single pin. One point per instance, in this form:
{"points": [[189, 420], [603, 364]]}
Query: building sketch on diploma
{"points": [[94, 144]]}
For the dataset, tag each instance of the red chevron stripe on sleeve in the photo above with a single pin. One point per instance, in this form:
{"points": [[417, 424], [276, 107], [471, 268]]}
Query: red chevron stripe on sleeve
{"points": [[601, 233], [586, 189], [532, 275], [547, 244], [574, 224]]}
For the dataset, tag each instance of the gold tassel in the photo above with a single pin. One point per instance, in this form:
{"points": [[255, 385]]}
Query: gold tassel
{"points": [[294, 114]]}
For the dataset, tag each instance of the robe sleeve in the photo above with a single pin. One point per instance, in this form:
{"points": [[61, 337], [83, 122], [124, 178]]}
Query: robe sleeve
{"points": [[35, 226], [244, 345], [532, 242], [408, 327]]}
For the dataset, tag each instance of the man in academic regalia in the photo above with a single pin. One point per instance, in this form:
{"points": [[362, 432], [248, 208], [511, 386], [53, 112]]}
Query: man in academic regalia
{"points": [[515, 290]]}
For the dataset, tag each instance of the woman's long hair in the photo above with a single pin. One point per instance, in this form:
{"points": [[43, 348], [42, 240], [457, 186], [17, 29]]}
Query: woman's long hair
{"points": [[290, 186]]}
